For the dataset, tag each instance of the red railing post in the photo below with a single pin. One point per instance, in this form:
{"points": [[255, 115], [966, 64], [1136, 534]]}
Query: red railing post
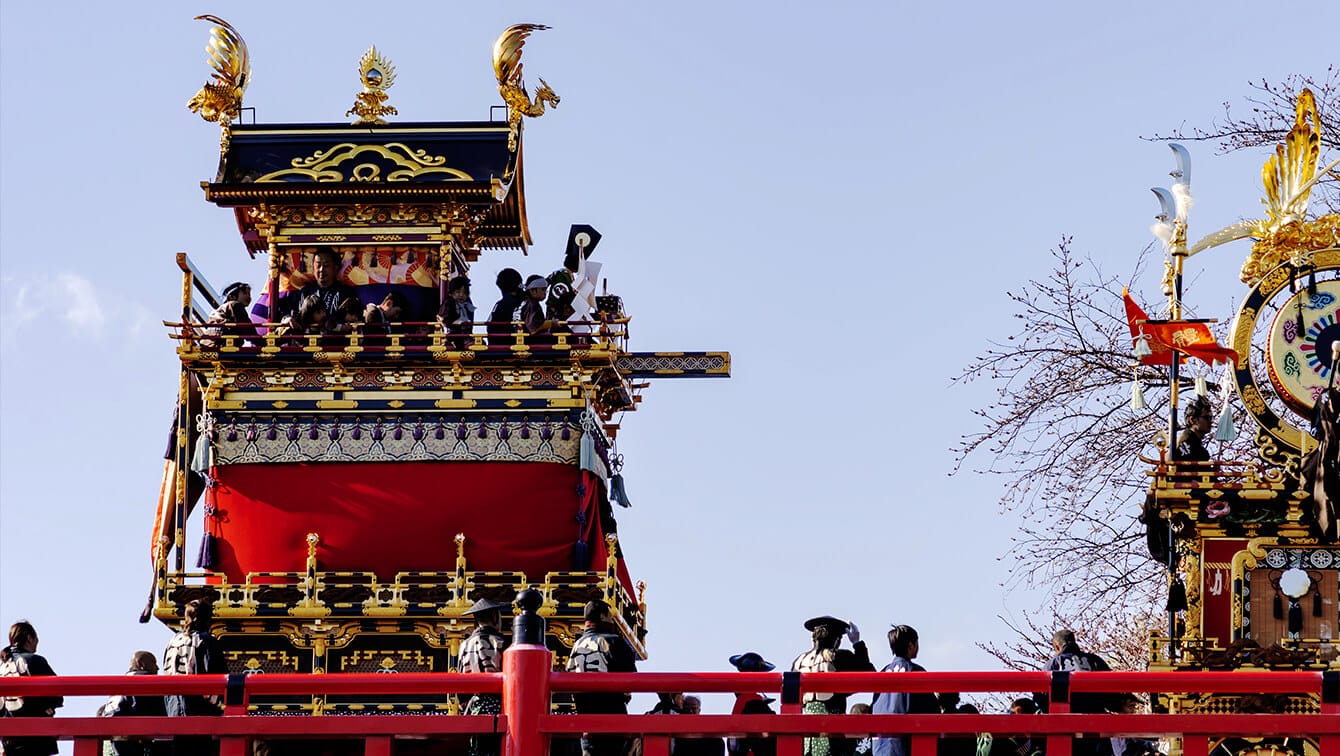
{"points": [[525, 699], [235, 705], [377, 746], [791, 745], [1329, 745], [1059, 703]]}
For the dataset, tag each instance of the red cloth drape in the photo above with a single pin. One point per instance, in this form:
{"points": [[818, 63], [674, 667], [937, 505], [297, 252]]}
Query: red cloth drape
{"points": [[401, 516]]}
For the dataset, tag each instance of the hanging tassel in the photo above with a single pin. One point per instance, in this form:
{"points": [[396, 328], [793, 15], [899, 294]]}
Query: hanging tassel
{"points": [[1295, 618], [1302, 327], [1177, 596], [1312, 282], [208, 556], [1142, 345], [1202, 387], [1225, 430], [1137, 396], [619, 494], [1277, 608], [1316, 603]]}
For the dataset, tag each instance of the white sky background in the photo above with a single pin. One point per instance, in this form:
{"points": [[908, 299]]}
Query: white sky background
{"points": [[840, 197]]}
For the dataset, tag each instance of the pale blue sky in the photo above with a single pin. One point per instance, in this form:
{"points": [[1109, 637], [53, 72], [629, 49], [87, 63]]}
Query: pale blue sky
{"points": [[840, 195]]}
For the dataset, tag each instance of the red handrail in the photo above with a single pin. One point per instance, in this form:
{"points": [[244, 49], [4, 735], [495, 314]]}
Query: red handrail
{"points": [[528, 684]]}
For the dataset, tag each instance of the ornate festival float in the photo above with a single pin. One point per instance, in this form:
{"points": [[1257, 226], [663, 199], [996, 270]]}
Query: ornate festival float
{"points": [[1249, 534], [359, 489]]}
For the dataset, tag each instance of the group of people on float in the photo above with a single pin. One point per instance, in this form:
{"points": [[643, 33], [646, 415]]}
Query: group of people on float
{"points": [[602, 648], [326, 306]]}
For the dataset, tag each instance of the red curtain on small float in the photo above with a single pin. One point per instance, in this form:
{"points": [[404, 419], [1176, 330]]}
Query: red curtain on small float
{"points": [[403, 516]]}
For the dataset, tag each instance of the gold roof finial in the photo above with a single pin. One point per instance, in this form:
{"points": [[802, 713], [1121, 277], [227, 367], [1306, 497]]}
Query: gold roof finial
{"points": [[220, 99], [1289, 175], [377, 75], [507, 67]]}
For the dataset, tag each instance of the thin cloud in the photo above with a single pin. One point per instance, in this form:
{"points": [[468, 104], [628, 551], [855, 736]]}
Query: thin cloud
{"points": [[65, 298]]}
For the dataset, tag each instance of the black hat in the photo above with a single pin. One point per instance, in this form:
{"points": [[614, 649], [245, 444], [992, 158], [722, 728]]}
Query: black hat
{"points": [[751, 662], [484, 605], [233, 288], [814, 622], [592, 239]]}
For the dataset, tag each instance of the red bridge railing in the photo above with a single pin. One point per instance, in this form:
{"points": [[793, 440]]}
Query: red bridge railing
{"points": [[528, 685]]}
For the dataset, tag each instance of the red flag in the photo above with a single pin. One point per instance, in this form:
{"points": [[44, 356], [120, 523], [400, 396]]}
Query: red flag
{"points": [[1160, 354], [1175, 336]]}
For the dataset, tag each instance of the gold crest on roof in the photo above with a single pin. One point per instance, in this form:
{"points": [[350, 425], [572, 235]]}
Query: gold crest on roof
{"points": [[507, 67], [220, 99], [1285, 234], [377, 75]]}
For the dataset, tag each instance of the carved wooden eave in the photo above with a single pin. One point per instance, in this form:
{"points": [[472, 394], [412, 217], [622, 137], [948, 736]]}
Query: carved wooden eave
{"points": [[460, 169]]}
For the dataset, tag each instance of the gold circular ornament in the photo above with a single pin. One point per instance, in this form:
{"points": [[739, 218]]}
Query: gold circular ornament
{"points": [[1274, 374], [1300, 359]]}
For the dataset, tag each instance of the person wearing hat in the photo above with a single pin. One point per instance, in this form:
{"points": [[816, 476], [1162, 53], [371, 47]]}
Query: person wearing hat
{"points": [[1190, 442], [599, 649], [482, 651], [531, 311], [825, 656], [232, 316], [751, 703]]}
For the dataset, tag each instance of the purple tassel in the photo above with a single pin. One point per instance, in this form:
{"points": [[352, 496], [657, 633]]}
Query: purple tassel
{"points": [[483, 431], [418, 431], [503, 431], [460, 430], [208, 555], [232, 432], [313, 432], [567, 431], [251, 431], [292, 432], [377, 430], [525, 429], [439, 433], [546, 432], [358, 429], [273, 432], [334, 433], [399, 431]]}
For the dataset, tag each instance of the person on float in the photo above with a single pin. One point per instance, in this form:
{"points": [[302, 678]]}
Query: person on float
{"points": [[601, 649], [482, 651], [1199, 419], [905, 644], [531, 312], [457, 314], [324, 282], [825, 656], [194, 651], [751, 703], [20, 659], [233, 316], [500, 326]]}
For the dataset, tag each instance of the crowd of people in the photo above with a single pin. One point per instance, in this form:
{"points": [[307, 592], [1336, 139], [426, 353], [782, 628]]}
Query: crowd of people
{"points": [[539, 305], [601, 648]]}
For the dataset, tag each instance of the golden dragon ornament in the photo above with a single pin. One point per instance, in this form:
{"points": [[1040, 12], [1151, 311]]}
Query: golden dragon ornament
{"points": [[1285, 233], [220, 99], [507, 67]]}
